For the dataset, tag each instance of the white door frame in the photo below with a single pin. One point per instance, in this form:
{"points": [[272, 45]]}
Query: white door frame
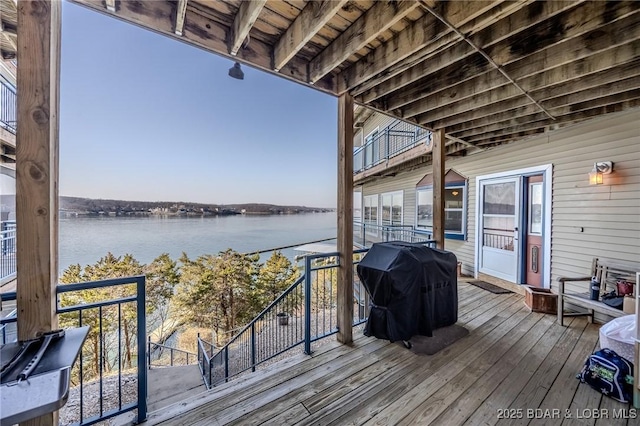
{"points": [[547, 172]]}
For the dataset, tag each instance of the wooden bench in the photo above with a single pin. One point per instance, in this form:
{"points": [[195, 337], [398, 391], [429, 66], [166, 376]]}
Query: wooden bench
{"points": [[608, 272]]}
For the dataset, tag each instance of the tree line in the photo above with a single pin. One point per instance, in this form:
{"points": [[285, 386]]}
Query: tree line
{"points": [[220, 293]]}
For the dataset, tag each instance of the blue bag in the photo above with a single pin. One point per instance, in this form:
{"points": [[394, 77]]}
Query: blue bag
{"points": [[609, 373]]}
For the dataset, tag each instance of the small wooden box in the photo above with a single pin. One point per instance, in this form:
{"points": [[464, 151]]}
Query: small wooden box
{"points": [[629, 305], [540, 300]]}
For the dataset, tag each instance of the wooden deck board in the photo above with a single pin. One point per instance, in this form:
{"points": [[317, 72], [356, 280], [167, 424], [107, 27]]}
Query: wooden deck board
{"points": [[503, 395], [511, 359]]}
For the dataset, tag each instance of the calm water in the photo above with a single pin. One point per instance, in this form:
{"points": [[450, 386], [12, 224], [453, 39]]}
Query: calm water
{"points": [[84, 240]]}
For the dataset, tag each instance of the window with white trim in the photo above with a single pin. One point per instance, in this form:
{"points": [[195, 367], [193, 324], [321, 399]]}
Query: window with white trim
{"points": [[357, 206], [455, 205], [370, 209], [371, 148], [392, 208]]}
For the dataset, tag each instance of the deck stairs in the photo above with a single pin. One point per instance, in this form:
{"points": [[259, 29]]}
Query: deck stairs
{"points": [[168, 385]]}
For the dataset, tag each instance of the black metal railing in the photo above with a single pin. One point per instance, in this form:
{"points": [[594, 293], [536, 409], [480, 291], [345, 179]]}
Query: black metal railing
{"points": [[7, 251], [8, 107], [304, 313], [8, 331], [112, 363], [366, 234], [159, 355], [393, 140]]}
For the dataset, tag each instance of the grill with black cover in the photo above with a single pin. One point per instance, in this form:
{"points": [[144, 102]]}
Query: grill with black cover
{"points": [[413, 290]]}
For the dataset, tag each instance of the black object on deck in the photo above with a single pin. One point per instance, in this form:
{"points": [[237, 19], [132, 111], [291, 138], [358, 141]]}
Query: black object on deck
{"points": [[36, 374], [413, 289]]}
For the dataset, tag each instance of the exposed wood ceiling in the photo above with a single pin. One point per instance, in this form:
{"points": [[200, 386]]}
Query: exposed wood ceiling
{"points": [[8, 29], [488, 72]]}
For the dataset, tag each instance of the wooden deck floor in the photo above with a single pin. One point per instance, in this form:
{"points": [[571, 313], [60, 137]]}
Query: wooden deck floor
{"points": [[514, 368]]}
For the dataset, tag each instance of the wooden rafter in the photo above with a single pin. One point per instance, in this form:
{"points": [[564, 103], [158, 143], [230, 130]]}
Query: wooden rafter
{"points": [[498, 33], [382, 16], [181, 13], [623, 31], [598, 84], [312, 18], [428, 34], [244, 20], [509, 133]]}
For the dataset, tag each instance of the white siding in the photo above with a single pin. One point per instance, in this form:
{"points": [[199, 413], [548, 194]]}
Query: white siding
{"points": [[587, 221]]}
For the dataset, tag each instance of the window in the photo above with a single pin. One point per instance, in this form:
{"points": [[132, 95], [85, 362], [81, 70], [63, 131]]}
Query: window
{"points": [[535, 208], [455, 211], [370, 205], [357, 206], [371, 149], [392, 208]]}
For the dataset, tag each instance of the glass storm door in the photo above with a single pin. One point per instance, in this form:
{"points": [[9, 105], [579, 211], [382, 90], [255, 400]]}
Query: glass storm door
{"points": [[499, 219]]}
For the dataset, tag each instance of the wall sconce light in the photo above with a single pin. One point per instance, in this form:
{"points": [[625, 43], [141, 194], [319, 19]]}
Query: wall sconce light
{"points": [[599, 169], [454, 193]]}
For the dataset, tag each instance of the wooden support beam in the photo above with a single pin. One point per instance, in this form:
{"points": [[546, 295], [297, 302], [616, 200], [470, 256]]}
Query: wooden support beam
{"points": [[39, 29], [181, 13], [438, 155], [345, 218], [311, 19], [424, 36], [247, 14], [379, 18]]}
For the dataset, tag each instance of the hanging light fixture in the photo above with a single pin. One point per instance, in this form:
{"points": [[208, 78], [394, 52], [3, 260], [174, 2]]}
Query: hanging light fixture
{"points": [[600, 169], [236, 72]]}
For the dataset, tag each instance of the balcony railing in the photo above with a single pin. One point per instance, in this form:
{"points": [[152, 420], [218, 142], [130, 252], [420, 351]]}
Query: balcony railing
{"points": [[305, 313], [366, 234], [8, 107], [393, 140], [160, 355], [7, 251], [114, 352]]}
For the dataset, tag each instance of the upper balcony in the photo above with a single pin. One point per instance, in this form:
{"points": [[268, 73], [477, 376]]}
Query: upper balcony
{"points": [[390, 148], [8, 122]]}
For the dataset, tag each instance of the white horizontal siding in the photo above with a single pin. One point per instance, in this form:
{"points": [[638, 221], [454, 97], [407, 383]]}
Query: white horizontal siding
{"points": [[587, 221]]}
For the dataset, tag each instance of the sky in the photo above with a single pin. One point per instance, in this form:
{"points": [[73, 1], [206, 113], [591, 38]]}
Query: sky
{"points": [[146, 117]]}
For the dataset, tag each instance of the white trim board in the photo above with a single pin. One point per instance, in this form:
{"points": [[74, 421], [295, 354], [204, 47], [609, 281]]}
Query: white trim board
{"points": [[547, 171]]}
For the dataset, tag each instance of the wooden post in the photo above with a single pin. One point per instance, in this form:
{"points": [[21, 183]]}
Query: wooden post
{"points": [[438, 187], [38, 86], [345, 218]]}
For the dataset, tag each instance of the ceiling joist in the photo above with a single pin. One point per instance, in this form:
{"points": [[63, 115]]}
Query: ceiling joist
{"points": [[382, 16], [181, 13], [428, 34], [607, 37], [498, 35], [245, 18], [313, 17]]}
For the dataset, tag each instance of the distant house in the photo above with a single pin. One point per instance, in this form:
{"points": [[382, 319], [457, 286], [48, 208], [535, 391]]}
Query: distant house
{"points": [[520, 213]]}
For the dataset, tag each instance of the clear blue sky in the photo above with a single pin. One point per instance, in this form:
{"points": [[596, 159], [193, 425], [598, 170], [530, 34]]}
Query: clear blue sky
{"points": [[145, 117]]}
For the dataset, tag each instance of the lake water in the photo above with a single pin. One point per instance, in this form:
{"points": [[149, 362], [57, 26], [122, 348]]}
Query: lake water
{"points": [[84, 240]]}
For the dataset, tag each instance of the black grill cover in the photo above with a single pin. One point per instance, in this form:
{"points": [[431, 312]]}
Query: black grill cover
{"points": [[413, 289]]}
